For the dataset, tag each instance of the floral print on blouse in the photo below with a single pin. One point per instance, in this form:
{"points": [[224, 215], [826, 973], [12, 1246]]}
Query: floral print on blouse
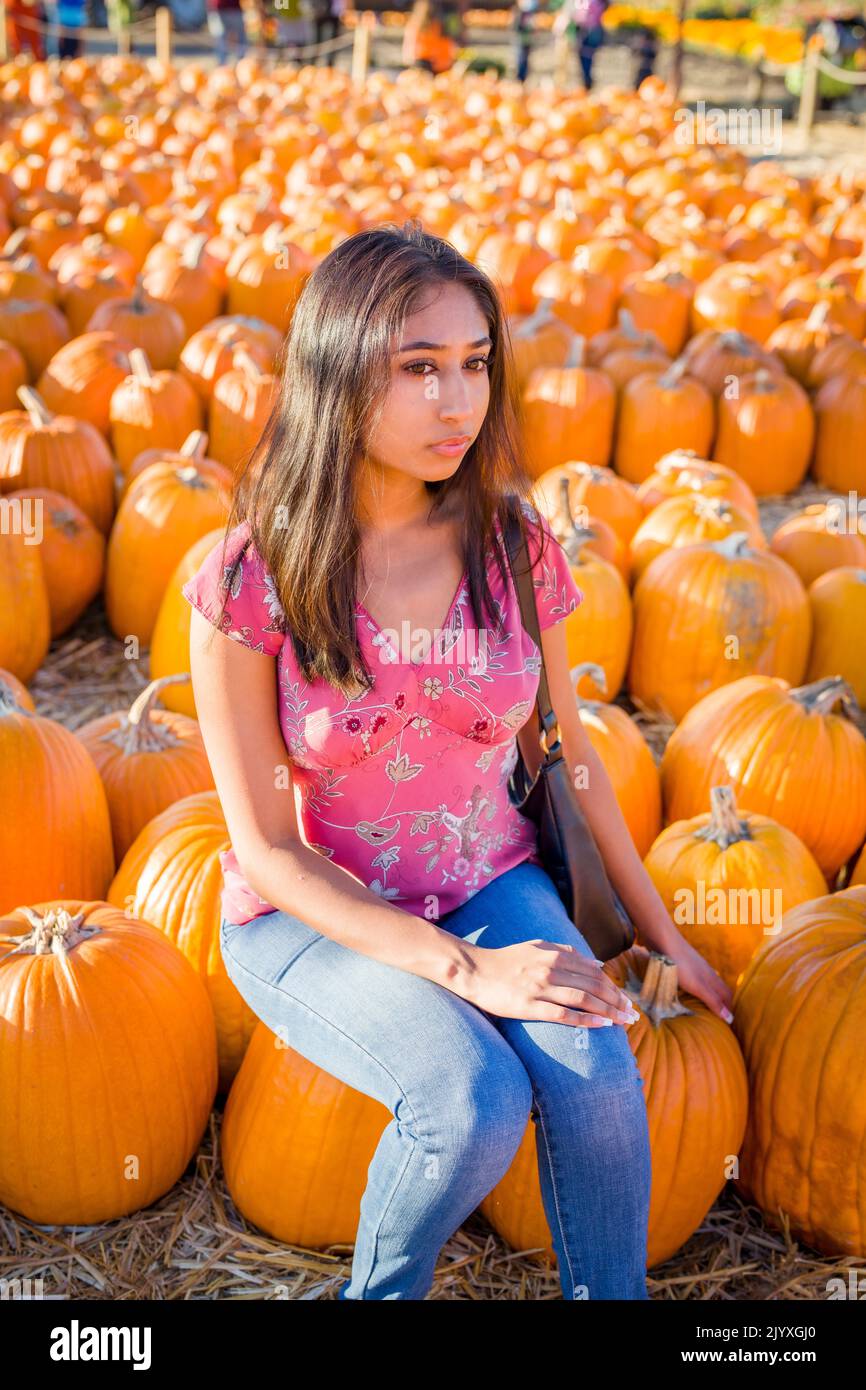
{"points": [[404, 785]]}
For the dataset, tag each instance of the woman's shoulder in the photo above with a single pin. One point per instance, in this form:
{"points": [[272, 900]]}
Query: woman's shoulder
{"points": [[234, 589]]}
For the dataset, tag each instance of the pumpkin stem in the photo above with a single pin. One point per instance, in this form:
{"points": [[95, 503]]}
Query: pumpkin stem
{"points": [[36, 408], [540, 315], [194, 445], [724, 828], [137, 732], [670, 377], [138, 361], [576, 351], [564, 517], [137, 303], [9, 701], [821, 697], [657, 995], [596, 675], [54, 932], [193, 251], [245, 362], [734, 546]]}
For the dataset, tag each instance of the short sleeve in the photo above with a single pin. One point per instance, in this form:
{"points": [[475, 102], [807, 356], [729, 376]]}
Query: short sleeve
{"points": [[253, 613], [556, 592]]}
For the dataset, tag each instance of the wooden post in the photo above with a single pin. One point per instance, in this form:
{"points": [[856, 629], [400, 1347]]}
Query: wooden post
{"points": [[4, 38], [124, 40], [561, 50], [808, 89], [677, 65], [163, 35], [361, 53]]}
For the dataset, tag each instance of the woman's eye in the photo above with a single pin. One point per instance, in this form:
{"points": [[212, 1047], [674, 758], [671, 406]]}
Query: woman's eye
{"points": [[477, 364]]}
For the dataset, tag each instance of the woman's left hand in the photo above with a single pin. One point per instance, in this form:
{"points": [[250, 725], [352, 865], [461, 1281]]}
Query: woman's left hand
{"points": [[696, 976]]}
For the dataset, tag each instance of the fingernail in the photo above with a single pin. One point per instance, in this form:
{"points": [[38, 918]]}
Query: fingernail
{"points": [[727, 1015], [606, 1023]]}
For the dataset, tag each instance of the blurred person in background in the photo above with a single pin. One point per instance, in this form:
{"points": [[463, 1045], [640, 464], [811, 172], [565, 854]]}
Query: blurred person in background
{"points": [[522, 24], [225, 22], [71, 14], [22, 33], [425, 43], [586, 15]]}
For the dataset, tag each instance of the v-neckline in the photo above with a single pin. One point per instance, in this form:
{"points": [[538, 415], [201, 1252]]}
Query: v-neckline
{"points": [[443, 626]]}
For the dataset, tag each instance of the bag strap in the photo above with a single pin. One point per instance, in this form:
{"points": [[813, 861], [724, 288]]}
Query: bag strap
{"points": [[515, 544]]}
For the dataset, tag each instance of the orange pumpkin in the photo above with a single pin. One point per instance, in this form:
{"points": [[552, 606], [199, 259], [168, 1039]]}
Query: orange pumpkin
{"points": [[838, 600], [171, 877], [567, 410], [766, 432], [152, 325], [148, 758], [72, 552], [708, 614], [108, 1014], [745, 732], [80, 378], [688, 519], [240, 407], [840, 414], [660, 413], [39, 449], [797, 1014], [625, 756], [696, 1098], [151, 410], [727, 877], [53, 784], [681, 471], [818, 539], [167, 506]]}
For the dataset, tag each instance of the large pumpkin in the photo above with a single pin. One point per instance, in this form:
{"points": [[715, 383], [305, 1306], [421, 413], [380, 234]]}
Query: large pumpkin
{"points": [[166, 507], [72, 551], [151, 410], [39, 449], [799, 1018], [696, 1095], [169, 647], [568, 413], [766, 432], [688, 519], [838, 601], [793, 754], [707, 614], [816, 540], [171, 876], [148, 758], [56, 836], [626, 758], [108, 1064], [660, 413], [25, 613], [296, 1144], [727, 877], [599, 630]]}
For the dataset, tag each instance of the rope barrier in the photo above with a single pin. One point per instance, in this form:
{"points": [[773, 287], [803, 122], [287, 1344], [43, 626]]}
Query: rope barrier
{"points": [[146, 29], [841, 74]]}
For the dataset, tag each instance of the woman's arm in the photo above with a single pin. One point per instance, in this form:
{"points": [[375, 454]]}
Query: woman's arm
{"points": [[235, 695], [605, 819]]}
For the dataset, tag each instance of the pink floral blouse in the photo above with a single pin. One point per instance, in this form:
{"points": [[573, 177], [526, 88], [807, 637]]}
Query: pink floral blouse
{"points": [[404, 786]]}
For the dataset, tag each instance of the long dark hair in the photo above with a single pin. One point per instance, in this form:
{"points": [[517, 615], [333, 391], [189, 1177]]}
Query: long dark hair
{"points": [[298, 489]]}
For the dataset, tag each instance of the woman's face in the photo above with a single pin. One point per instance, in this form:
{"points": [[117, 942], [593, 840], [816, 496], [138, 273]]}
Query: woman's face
{"points": [[440, 388]]}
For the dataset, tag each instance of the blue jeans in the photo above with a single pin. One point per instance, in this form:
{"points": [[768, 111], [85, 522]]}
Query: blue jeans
{"points": [[461, 1084], [225, 25]]}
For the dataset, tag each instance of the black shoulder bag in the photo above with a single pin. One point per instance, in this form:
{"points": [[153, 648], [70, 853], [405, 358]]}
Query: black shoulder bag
{"points": [[565, 843]]}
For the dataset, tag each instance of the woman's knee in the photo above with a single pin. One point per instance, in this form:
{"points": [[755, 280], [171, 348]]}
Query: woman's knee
{"points": [[486, 1105]]}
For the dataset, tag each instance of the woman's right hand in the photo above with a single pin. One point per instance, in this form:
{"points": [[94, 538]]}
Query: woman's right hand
{"points": [[548, 981]]}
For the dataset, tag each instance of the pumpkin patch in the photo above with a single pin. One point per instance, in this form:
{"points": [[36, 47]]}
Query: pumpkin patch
{"points": [[684, 352]]}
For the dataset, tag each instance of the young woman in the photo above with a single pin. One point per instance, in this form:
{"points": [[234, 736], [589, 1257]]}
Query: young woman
{"points": [[361, 676]]}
